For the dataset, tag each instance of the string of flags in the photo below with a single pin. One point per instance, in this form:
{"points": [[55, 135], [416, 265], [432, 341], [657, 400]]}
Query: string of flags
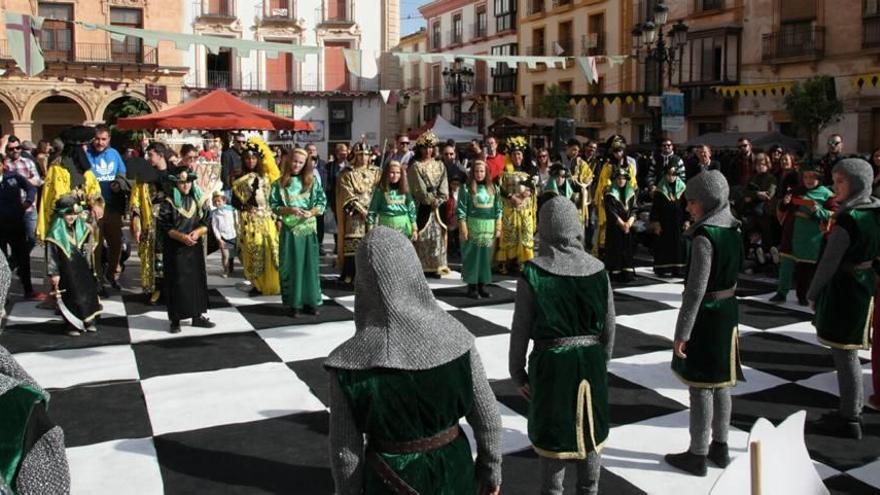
{"points": [[861, 80], [24, 35], [769, 89]]}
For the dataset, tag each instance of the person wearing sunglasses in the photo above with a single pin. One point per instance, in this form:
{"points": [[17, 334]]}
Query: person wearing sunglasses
{"points": [[17, 196], [829, 160], [230, 163], [741, 165], [15, 160]]}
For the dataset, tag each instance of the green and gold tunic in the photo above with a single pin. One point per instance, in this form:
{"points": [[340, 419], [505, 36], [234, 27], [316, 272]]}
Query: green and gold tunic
{"points": [[480, 212], [392, 209], [394, 406], [298, 263], [713, 349], [568, 411], [807, 237], [845, 306]]}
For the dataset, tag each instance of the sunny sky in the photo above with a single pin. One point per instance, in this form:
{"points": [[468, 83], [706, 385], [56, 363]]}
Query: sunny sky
{"points": [[410, 18]]}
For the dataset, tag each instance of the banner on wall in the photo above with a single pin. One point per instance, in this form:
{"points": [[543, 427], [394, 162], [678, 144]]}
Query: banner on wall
{"points": [[673, 112]]}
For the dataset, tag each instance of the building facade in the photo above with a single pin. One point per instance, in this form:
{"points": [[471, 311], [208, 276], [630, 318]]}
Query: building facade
{"points": [[86, 71], [574, 28], [483, 27], [412, 76], [320, 88]]}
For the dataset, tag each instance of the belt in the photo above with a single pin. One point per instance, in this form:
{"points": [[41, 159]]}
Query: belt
{"points": [[855, 267], [580, 341], [720, 294], [427, 444]]}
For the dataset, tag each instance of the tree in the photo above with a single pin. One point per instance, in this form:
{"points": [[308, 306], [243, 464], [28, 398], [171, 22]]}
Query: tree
{"points": [[120, 108], [813, 106], [554, 103], [501, 108]]}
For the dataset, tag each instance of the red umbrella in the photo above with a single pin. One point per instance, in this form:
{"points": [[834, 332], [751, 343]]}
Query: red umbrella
{"points": [[217, 110]]}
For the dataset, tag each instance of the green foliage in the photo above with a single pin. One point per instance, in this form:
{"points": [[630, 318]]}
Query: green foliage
{"points": [[554, 103], [121, 108], [813, 106], [501, 108]]}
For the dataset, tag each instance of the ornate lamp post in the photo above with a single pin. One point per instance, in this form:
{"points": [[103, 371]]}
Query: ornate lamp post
{"points": [[650, 46], [459, 79]]}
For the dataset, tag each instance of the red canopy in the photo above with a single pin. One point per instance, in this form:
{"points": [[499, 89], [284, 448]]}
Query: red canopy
{"points": [[218, 110]]}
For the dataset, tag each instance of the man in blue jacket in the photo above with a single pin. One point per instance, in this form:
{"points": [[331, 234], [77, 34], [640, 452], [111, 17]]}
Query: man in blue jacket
{"points": [[108, 166]]}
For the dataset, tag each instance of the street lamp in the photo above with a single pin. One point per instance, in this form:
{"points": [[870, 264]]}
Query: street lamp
{"points": [[459, 80], [650, 47]]}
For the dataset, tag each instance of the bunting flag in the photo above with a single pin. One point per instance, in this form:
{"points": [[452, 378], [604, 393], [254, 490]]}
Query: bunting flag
{"points": [[394, 97], [861, 80], [385, 94], [609, 98], [769, 89], [361, 63], [23, 33], [588, 67], [557, 49]]}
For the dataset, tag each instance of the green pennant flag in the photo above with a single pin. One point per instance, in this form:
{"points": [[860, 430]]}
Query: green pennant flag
{"points": [[23, 32]]}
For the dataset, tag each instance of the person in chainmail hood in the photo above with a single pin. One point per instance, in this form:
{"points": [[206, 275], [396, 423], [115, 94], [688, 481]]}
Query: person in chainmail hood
{"points": [[843, 288], [33, 460], [564, 303], [705, 356], [400, 385]]}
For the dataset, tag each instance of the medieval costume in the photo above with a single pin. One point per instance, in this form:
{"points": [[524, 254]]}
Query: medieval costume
{"points": [[182, 216], [354, 191], [809, 210], [564, 303], [519, 209], [582, 176], [258, 235], [299, 264], [479, 220], [843, 292], [614, 162], [668, 218], [32, 458], [393, 209], [620, 239], [148, 192], [428, 183], [400, 385], [706, 357], [70, 246]]}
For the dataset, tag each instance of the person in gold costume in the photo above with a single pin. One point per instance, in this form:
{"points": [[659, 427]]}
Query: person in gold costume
{"points": [[354, 191], [616, 160], [147, 194], [519, 209], [429, 187]]}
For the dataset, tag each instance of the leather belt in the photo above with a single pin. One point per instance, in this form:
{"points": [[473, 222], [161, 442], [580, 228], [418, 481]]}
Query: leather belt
{"points": [[720, 294], [427, 444], [580, 341]]}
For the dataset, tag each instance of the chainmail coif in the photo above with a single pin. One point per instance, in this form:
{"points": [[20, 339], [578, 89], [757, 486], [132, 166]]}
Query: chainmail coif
{"points": [[398, 322], [861, 178], [560, 250], [710, 189]]}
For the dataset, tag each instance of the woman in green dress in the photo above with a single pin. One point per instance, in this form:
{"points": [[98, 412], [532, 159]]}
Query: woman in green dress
{"points": [[479, 223], [297, 199], [392, 204]]}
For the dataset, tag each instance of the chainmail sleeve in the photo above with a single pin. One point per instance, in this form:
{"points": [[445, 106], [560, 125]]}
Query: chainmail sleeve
{"points": [[838, 243], [610, 326], [346, 443], [695, 288], [486, 422], [523, 319]]}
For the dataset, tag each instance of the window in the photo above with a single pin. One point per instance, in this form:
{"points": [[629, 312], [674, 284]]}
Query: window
{"points": [[128, 50], [481, 26], [595, 41], [797, 10], [56, 37], [505, 15], [336, 75], [710, 58], [565, 38], [435, 36], [503, 75], [537, 43], [340, 114], [456, 29], [707, 5], [279, 70], [872, 7], [565, 87]]}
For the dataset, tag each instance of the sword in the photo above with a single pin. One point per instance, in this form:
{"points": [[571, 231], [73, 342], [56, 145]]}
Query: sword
{"points": [[67, 313]]}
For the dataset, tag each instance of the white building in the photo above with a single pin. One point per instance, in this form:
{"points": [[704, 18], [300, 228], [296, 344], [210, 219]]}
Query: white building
{"points": [[320, 88]]}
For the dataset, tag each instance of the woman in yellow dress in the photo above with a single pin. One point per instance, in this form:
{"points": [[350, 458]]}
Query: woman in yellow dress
{"points": [[519, 208], [258, 234], [615, 160]]}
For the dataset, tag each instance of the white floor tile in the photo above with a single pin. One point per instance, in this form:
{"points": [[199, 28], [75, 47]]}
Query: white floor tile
{"points": [[669, 294], [234, 395], [493, 352], [499, 314], [153, 325], [117, 467], [27, 313], [301, 342], [659, 323], [790, 301], [806, 332], [452, 279], [346, 302], [236, 297], [868, 474], [514, 433], [648, 272], [65, 368], [827, 382]]}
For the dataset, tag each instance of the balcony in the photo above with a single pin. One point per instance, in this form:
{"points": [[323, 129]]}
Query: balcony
{"points": [[535, 6], [343, 17], [594, 44], [560, 3], [414, 82], [435, 42], [433, 94], [455, 37], [794, 43], [479, 31], [503, 81], [537, 50], [278, 12], [272, 81], [94, 53], [567, 46], [871, 33], [707, 5], [215, 10]]}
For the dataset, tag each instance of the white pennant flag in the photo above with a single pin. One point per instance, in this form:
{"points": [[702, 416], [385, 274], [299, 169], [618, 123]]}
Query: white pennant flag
{"points": [[557, 49], [385, 93]]}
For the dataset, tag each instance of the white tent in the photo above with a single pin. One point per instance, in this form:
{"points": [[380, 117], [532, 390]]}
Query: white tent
{"points": [[444, 130]]}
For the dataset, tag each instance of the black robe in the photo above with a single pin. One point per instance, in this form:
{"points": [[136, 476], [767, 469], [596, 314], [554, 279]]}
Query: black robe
{"points": [[669, 247], [619, 246], [78, 286], [186, 279]]}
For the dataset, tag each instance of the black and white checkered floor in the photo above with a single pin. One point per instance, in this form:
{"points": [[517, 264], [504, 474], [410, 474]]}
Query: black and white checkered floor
{"points": [[242, 408]]}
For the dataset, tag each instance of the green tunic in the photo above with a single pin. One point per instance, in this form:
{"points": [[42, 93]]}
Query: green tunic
{"points": [[392, 405], [17, 407], [480, 212], [807, 240], [844, 307], [712, 351], [298, 263], [392, 209], [568, 411], [567, 190]]}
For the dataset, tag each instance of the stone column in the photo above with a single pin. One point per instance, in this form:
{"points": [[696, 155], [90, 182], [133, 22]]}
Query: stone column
{"points": [[23, 129]]}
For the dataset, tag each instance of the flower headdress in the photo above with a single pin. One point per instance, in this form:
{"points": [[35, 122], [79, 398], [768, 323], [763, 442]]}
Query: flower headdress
{"points": [[517, 143], [428, 138]]}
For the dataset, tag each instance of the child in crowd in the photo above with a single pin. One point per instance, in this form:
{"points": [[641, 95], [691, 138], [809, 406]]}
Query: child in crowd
{"points": [[810, 207], [70, 248], [223, 223], [479, 224], [620, 212], [392, 205], [842, 291], [756, 210], [668, 222], [705, 347]]}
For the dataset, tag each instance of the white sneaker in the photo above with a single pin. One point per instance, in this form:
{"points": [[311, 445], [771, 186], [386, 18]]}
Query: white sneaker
{"points": [[759, 253], [774, 255]]}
